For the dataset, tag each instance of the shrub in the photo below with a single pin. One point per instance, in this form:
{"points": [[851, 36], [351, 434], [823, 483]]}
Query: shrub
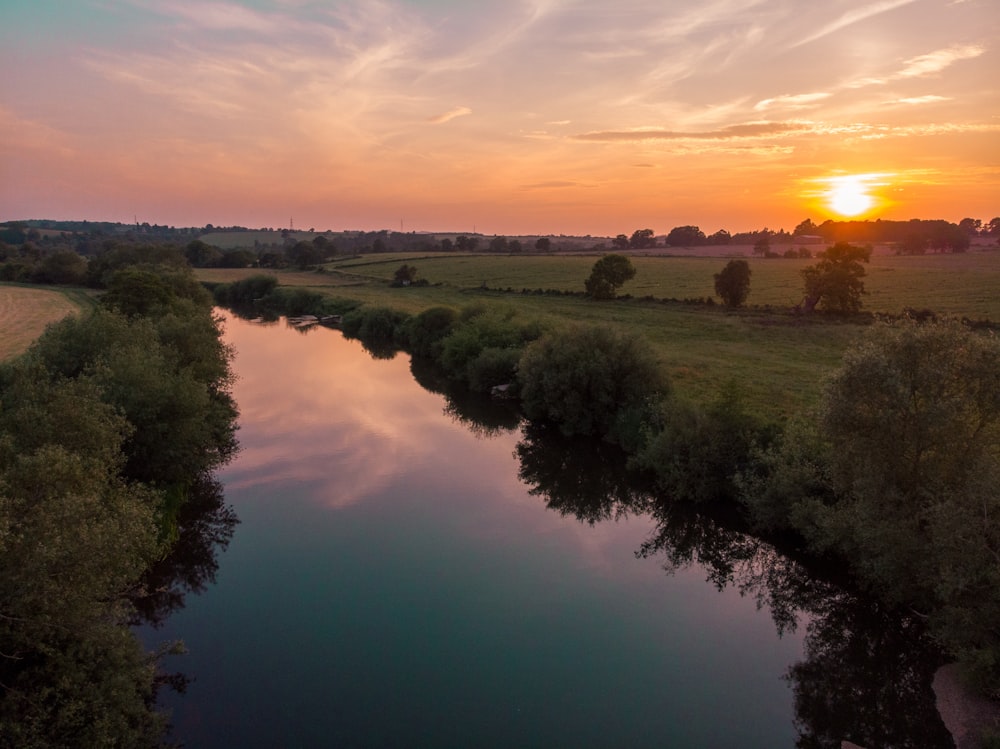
{"points": [[587, 379]]}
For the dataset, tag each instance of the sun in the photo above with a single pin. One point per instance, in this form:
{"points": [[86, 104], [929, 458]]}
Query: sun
{"points": [[849, 196]]}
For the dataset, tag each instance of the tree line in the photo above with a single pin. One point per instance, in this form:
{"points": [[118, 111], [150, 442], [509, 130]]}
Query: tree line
{"points": [[108, 423]]}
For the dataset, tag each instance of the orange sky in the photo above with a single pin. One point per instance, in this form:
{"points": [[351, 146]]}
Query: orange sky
{"points": [[539, 116]]}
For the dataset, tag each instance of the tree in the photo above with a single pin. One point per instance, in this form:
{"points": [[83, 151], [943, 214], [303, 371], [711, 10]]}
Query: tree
{"points": [[835, 281], [970, 226], [914, 413], [620, 242], [762, 246], [610, 272], [543, 244], [805, 227], [589, 381], [685, 236], [732, 283], [404, 275], [720, 237], [642, 239], [498, 244]]}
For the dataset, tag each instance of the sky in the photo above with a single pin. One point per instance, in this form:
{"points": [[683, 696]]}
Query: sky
{"points": [[502, 117]]}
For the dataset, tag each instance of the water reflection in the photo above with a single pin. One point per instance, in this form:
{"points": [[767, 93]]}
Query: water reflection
{"points": [[205, 526], [867, 672]]}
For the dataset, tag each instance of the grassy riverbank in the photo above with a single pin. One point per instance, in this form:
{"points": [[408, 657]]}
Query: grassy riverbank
{"points": [[778, 359]]}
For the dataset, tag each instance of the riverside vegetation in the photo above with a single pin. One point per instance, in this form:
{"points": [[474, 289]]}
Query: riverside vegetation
{"points": [[110, 424], [887, 468], [712, 408]]}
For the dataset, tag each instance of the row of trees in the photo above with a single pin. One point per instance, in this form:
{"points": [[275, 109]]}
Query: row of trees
{"points": [[835, 281], [107, 422]]}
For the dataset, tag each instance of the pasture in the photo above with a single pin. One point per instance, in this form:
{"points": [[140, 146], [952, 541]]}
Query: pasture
{"points": [[25, 311], [778, 360]]}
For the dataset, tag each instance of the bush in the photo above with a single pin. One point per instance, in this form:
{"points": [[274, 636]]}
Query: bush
{"points": [[481, 328], [425, 331], [587, 380]]}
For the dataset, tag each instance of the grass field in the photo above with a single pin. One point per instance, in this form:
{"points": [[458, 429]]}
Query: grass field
{"points": [[25, 311], [778, 359]]}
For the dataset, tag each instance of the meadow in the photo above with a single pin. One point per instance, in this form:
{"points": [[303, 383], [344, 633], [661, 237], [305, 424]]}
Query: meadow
{"points": [[777, 359], [25, 311]]}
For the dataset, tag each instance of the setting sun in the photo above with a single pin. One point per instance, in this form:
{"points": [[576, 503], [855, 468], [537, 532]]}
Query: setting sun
{"points": [[850, 197]]}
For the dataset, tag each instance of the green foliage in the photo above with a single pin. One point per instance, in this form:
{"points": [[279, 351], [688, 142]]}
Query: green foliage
{"points": [[404, 275], [732, 283], [61, 267], [425, 332], [587, 379], [481, 328], [493, 366], [835, 281], [696, 454], [247, 292], [380, 329], [899, 477], [608, 273]]}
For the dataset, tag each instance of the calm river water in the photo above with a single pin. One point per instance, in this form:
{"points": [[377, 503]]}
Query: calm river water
{"points": [[393, 583]]}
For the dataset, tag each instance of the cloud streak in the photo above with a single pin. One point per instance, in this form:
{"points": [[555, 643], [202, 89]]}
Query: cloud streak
{"points": [[852, 17], [440, 119]]}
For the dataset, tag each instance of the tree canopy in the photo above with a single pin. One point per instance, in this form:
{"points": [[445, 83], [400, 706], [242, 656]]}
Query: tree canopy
{"points": [[835, 281], [732, 283], [608, 273]]}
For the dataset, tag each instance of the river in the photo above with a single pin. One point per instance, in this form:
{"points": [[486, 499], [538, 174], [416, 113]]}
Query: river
{"points": [[398, 580]]}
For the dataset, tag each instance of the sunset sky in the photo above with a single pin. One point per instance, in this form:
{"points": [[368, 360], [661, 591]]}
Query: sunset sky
{"points": [[510, 117]]}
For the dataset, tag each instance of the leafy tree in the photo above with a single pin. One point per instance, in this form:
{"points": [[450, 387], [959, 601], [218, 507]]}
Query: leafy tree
{"points": [[543, 244], [993, 227], [762, 246], [915, 414], [732, 283], [61, 267], [201, 254], [515, 246], [805, 227], [304, 254], [685, 236], [404, 275], [498, 244], [590, 381], [970, 226], [608, 273], [835, 281], [425, 331], [620, 242], [641, 239], [720, 237], [466, 244]]}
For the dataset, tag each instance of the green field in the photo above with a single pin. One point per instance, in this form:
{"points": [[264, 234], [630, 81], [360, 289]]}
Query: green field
{"points": [[777, 358]]}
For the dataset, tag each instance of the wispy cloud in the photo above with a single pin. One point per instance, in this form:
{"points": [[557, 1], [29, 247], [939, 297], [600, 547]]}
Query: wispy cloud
{"points": [[852, 17], [914, 100], [792, 101], [748, 130], [451, 114], [935, 62]]}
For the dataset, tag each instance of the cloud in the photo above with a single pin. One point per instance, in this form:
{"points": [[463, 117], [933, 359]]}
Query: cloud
{"points": [[748, 130], [449, 115], [217, 15], [935, 62], [852, 17], [929, 99], [555, 183], [791, 101]]}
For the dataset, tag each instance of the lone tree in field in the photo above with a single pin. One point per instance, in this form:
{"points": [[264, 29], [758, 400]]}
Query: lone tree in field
{"points": [[732, 283], [835, 281], [404, 275], [610, 272]]}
